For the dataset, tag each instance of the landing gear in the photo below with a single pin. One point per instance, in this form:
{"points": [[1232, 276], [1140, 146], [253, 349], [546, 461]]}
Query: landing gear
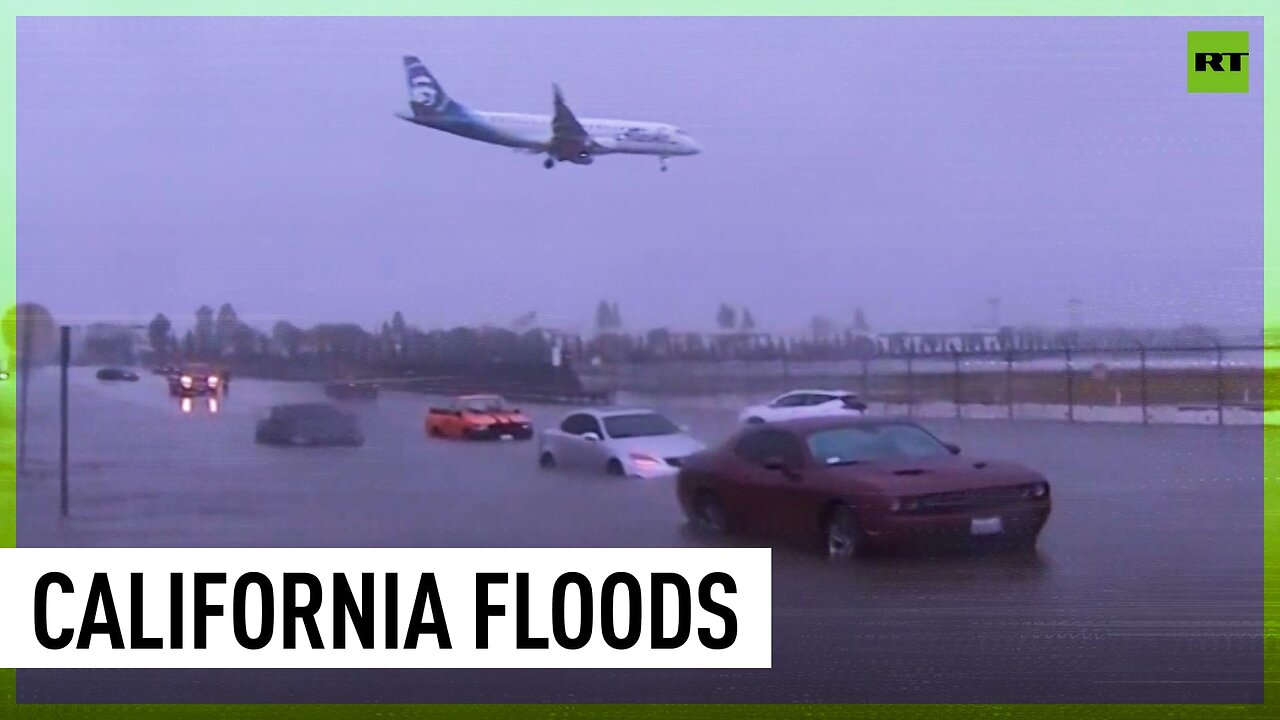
{"points": [[549, 163], [662, 163]]}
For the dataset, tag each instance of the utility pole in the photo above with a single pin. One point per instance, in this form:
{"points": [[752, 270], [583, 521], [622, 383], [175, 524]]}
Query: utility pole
{"points": [[65, 357], [24, 380], [1073, 312]]}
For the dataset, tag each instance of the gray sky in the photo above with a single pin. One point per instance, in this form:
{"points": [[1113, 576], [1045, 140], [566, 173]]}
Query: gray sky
{"points": [[911, 166]]}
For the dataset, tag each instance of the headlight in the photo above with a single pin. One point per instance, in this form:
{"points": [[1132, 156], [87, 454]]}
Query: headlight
{"points": [[186, 381], [1037, 490], [213, 381], [646, 460]]}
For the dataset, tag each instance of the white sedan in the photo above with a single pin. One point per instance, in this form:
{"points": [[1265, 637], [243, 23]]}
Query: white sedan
{"points": [[625, 443], [804, 404]]}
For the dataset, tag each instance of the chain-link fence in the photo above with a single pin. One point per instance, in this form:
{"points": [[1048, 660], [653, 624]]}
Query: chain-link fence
{"points": [[1218, 385]]}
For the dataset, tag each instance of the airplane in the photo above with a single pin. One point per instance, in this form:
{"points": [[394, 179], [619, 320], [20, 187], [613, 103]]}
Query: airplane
{"points": [[562, 136]]}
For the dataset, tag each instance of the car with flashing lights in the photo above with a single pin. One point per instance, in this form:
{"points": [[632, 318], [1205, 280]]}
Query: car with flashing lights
{"points": [[309, 425], [195, 379], [634, 442], [798, 404], [848, 484], [478, 417]]}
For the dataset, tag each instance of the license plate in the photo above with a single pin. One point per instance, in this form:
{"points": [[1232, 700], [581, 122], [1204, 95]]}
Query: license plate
{"points": [[985, 526], [506, 437]]}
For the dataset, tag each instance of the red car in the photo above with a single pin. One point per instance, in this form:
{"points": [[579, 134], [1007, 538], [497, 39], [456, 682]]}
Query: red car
{"points": [[847, 484]]}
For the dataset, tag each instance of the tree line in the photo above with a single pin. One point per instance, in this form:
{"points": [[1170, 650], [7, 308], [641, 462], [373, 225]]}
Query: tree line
{"points": [[223, 335]]}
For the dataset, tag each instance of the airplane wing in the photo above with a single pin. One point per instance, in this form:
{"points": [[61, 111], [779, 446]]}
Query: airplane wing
{"points": [[564, 126], [568, 137]]}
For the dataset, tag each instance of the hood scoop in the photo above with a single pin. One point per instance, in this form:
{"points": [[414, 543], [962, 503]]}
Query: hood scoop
{"points": [[910, 471]]}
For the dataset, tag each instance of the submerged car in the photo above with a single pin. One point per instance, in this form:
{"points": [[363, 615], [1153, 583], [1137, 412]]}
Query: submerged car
{"points": [[351, 390], [847, 484], [805, 403], [195, 379], [632, 443], [478, 417], [115, 373], [309, 425]]}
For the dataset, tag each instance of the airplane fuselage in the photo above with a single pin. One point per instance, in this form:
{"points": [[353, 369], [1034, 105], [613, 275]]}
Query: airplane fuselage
{"points": [[533, 132]]}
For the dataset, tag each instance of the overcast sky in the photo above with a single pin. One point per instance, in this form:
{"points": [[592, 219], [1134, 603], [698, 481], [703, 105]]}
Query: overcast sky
{"points": [[914, 167]]}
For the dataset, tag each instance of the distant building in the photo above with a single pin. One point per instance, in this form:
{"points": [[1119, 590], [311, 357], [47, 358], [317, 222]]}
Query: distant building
{"points": [[109, 344], [900, 343]]}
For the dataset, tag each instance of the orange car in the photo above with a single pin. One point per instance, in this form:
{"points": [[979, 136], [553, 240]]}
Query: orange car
{"points": [[478, 417]]}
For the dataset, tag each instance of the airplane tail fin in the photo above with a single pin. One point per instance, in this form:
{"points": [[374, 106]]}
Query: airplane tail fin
{"points": [[427, 98]]}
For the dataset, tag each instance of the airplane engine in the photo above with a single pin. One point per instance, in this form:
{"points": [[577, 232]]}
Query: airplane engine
{"points": [[582, 160]]}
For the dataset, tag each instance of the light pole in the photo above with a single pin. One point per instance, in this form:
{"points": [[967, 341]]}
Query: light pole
{"points": [[1073, 312]]}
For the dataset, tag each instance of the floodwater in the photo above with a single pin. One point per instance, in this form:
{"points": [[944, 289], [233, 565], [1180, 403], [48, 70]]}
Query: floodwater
{"points": [[1146, 585]]}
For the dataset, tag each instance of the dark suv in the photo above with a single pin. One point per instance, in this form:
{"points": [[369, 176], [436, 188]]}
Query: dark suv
{"points": [[195, 379]]}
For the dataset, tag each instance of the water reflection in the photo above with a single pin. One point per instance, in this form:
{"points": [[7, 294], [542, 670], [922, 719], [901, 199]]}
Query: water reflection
{"points": [[211, 404]]}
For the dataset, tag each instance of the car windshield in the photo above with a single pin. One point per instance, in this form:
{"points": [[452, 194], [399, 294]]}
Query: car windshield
{"points": [[639, 425], [864, 443], [483, 403]]}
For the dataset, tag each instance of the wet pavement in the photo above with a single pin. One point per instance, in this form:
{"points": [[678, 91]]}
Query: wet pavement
{"points": [[1146, 585]]}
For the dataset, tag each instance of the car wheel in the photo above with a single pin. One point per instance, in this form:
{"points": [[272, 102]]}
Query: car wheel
{"points": [[547, 461], [614, 468], [709, 515], [843, 538], [435, 432], [753, 420]]}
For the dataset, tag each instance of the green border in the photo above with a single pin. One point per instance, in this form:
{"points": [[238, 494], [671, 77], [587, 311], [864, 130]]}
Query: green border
{"points": [[1188, 8]]}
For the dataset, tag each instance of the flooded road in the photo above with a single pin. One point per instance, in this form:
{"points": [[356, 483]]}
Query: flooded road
{"points": [[1146, 586]]}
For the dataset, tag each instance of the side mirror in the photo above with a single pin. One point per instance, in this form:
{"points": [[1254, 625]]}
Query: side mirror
{"points": [[591, 437], [953, 448]]}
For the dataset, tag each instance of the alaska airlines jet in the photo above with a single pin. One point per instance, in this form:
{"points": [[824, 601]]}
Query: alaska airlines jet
{"points": [[563, 137]]}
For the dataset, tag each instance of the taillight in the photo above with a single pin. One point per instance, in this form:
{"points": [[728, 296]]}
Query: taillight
{"points": [[905, 504], [1036, 490]]}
